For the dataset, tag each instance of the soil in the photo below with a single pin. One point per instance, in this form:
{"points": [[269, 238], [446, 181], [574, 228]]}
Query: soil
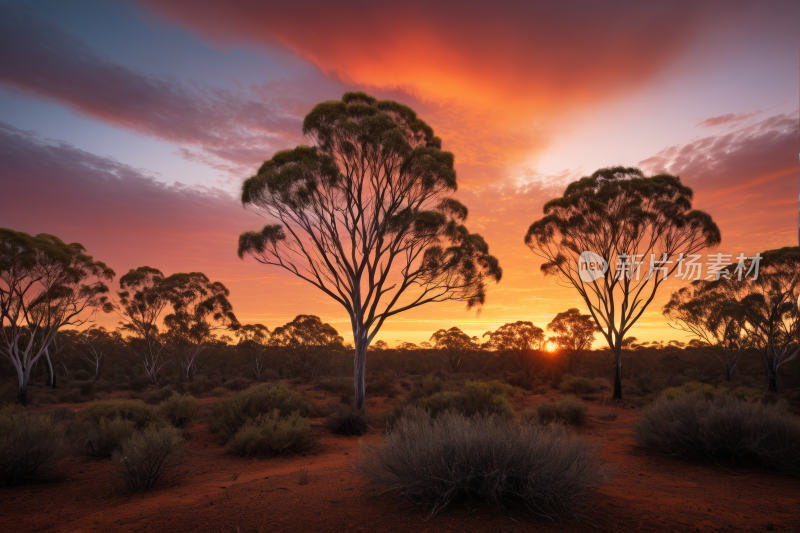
{"points": [[216, 492]]}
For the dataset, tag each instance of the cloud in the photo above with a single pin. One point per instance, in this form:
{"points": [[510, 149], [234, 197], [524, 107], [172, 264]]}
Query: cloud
{"points": [[727, 119], [746, 179], [227, 130]]}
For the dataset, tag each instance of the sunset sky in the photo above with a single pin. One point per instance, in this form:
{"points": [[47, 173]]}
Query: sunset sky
{"points": [[129, 126]]}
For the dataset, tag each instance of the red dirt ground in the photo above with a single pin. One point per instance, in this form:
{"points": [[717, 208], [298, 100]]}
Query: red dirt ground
{"points": [[215, 492]]}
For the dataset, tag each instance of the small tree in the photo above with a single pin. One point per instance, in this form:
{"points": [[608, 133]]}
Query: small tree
{"points": [[518, 340], [143, 299], [366, 216], [45, 285], [200, 308], [309, 345], [253, 347], [96, 345], [452, 344], [619, 216], [574, 333], [712, 313]]}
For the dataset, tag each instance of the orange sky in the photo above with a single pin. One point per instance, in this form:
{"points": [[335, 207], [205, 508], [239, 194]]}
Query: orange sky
{"points": [[527, 97]]}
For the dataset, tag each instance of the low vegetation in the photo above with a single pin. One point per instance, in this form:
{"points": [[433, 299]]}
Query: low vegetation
{"points": [[578, 385], [145, 455], [179, 409], [347, 421], [722, 426], [272, 434], [568, 410], [438, 461], [27, 444]]}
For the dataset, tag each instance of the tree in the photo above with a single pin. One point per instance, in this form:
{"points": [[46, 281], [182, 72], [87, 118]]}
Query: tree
{"points": [[380, 345], [96, 345], [253, 346], [45, 285], [620, 216], [143, 299], [712, 313], [199, 308], [518, 340], [771, 304], [365, 215], [574, 333], [309, 344], [452, 344]]}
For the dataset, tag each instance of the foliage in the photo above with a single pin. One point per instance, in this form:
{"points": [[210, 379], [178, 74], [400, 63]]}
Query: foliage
{"points": [[309, 345], [272, 434], [236, 410], [452, 344], [473, 398], [146, 455], [574, 333], [179, 409], [27, 443], [435, 462], [103, 437], [518, 340], [569, 410], [578, 385], [741, 392], [347, 421], [722, 427], [141, 414]]}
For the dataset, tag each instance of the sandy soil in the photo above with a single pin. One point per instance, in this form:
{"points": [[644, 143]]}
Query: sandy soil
{"points": [[215, 492]]}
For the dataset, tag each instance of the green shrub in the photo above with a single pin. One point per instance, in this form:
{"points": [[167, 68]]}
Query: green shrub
{"points": [[578, 385], [271, 434], [141, 414], [233, 412], [145, 455], [437, 461], [710, 391], [179, 409], [157, 396], [569, 410], [381, 386], [722, 426], [27, 443], [347, 421]]}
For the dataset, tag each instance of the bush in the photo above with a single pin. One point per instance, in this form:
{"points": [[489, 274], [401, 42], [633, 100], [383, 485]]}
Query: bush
{"points": [[578, 385], [71, 396], [201, 386], [270, 375], [145, 455], [381, 386], [722, 426], [569, 410], [233, 412], [710, 391], [61, 414], [138, 384], [102, 438], [178, 409], [271, 434], [27, 443], [157, 396], [338, 386], [347, 421], [141, 414], [219, 391], [437, 461]]}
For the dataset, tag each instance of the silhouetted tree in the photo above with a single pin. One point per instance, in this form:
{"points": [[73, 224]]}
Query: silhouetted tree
{"points": [[254, 340], [621, 215], [518, 340], [574, 333], [199, 308], [452, 344], [365, 215], [714, 315], [309, 345], [96, 345], [45, 285]]}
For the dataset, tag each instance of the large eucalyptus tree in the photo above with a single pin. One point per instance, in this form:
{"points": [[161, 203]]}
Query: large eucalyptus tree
{"points": [[45, 285], [610, 224], [365, 215]]}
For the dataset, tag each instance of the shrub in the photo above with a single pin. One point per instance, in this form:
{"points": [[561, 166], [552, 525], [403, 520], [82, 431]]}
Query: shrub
{"points": [[334, 385], [144, 456], [236, 384], [381, 386], [270, 375], [219, 391], [179, 409], [569, 410], [233, 412], [271, 434], [62, 413], [141, 414], [103, 437], [437, 461], [722, 426], [202, 386], [157, 396], [709, 391], [347, 421], [578, 385], [607, 415], [138, 384], [71, 396], [27, 443]]}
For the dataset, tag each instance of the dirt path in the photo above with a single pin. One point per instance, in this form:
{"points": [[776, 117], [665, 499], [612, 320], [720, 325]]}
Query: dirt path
{"points": [[214, 492]]}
